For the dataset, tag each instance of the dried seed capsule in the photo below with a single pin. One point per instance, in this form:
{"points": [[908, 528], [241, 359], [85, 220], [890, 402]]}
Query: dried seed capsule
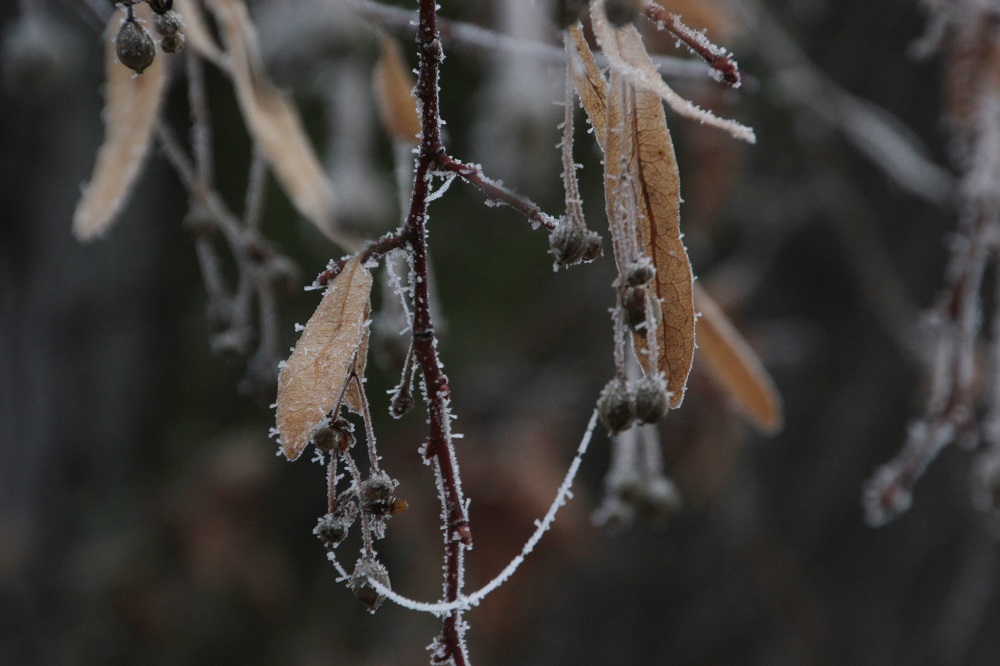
{"points": [[567, 242], [614, 407], [377, 489], [368, 567], [167, 23], [622, 12], [332, 529], [134, 47], [568, 12], [161, 6], [336, 436], [36, 54], [651, 399], [639, 272], [660, 499], [593, 247], [634, 302], [172, 43]]}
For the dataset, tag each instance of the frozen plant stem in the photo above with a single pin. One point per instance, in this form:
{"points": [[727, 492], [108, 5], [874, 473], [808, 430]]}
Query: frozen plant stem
{"points": [[449, 646]]}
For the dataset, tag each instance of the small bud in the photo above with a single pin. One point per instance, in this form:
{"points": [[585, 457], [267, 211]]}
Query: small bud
{"points": [[651, 399], [336, 436], [167, 23], [614, 407], [568, 242], [377, 489], [660, 499], [627, 487], [639, 272], [172, 43], [368, 567], [402, 402], [622, 12], [134, 47], [332, 529]]}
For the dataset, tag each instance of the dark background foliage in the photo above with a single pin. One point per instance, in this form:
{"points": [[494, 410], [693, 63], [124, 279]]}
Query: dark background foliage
{"points": [[144, 518]]}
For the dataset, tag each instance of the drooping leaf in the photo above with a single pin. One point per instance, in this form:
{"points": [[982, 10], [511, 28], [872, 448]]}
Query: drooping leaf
{"points": [[353, 399], [588, 81], [732, 362], [131, 111], [638, 140], [393, 84], [313, 380], [627, 55], [273, 120]]}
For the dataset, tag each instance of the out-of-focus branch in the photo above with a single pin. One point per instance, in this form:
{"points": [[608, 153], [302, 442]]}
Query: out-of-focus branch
{"points": [[869, 128], [473, 39]]}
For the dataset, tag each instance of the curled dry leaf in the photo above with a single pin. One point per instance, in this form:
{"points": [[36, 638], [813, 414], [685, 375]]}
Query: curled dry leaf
{"points": [[312, 382], [273, 120], [393, 84], [590, 84], [732, 362], [642, 144], [196, 31], [643, 140], [353, 399], [131, 111], [627, 55]]}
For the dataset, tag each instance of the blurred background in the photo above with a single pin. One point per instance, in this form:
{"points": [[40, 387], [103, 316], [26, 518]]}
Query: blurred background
{"points": [[145, 519]]}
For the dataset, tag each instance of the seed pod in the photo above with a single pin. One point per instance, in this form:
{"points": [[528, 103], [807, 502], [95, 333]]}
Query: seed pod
{"points": [[336, 436], [568, 12], [614, 407], [651, 399], [368, 567], [622, 12], [377, 489], [628, 487], [332, 529], [134, 47], [167, 23], [593, 247], [36, 54], [660, 499], [639, 272], [567, 242], [172, 43], [161, 6], [634, 302]]}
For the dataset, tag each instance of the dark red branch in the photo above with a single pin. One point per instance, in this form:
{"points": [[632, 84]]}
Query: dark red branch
{"points": [[496, 192], [718, 58], [449, 648]]}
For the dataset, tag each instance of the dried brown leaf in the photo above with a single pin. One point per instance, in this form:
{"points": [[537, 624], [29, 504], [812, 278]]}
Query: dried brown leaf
{"points": [[639, 139], [273, 120], [393, 84], [588, 80], [130, 113], [196, 31], [313, 380], [353, 399], [732, 362], [627, 55]]}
